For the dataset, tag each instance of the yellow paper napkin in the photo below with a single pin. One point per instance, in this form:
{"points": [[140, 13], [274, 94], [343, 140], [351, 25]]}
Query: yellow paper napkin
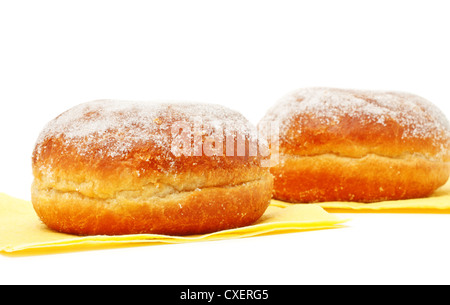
{"points": [[21, 231], [439, 202]]}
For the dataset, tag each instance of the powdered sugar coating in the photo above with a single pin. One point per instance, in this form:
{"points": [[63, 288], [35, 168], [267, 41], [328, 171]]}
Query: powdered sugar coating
{"points": [[421, 118], [120, 125]]}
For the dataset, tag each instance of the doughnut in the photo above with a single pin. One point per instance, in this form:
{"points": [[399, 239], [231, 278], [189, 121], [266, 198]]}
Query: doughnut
{"points": [[356, 145], [110, 167]]}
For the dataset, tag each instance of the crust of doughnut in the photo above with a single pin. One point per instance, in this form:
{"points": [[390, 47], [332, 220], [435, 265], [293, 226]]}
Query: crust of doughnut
{"points": [[59, 165], [97, 195], [197, 211], [358, 137], [329, 177]]}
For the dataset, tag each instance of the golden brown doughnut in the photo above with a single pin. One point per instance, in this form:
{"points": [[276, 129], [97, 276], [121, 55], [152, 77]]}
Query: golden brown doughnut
{"points": [[114, 167], [354, 145]]}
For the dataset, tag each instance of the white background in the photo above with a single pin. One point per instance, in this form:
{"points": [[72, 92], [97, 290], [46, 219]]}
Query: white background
{"points": [[245, 55]]}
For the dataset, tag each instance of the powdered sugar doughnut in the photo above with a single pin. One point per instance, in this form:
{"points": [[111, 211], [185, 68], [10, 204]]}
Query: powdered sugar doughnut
{"points": [[355, 145], [119, 167]]}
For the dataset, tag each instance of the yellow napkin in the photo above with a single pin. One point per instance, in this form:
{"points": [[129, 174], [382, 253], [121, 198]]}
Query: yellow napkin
{"points": [[23, 233], [439, 202]]}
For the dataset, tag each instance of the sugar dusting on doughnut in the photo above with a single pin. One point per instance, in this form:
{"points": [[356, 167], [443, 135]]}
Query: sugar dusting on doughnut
{"points": [[421, 118], [139, 122]]}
